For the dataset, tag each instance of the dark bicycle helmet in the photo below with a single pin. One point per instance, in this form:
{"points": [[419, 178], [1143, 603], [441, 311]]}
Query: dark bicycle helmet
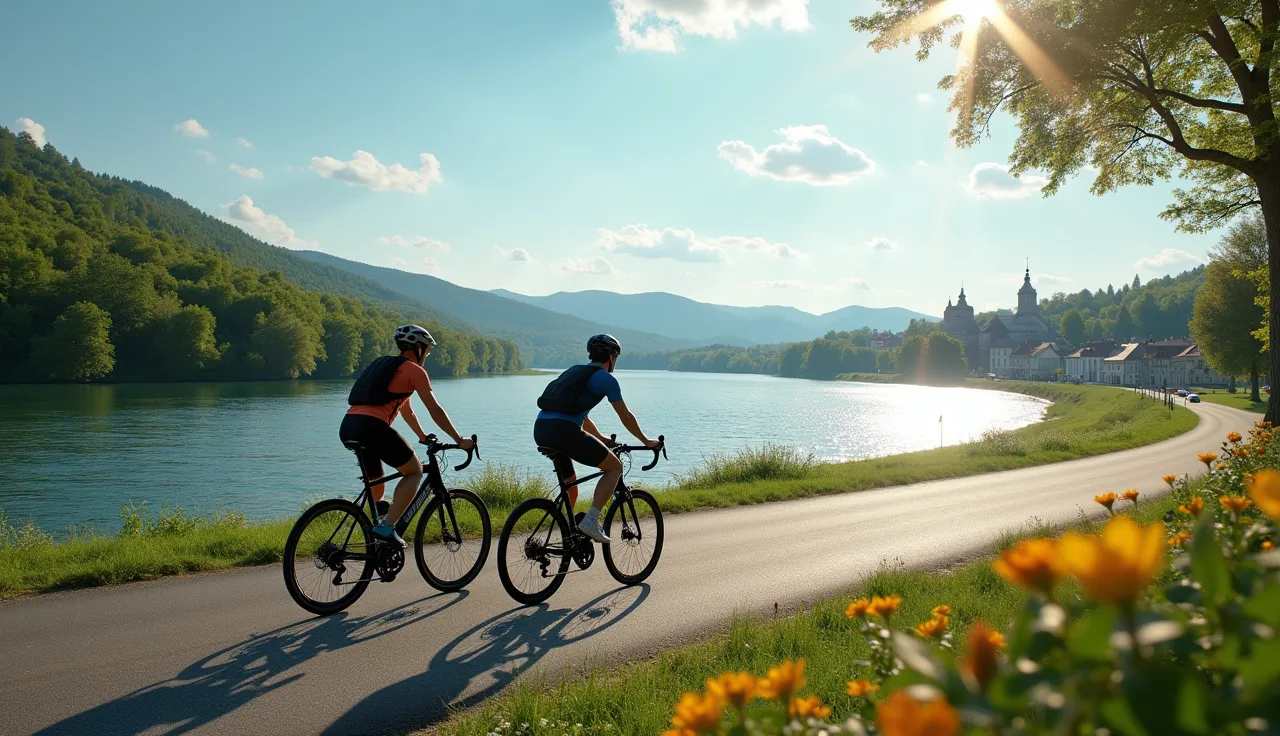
{"points": [[604, 344], [411, 336]]}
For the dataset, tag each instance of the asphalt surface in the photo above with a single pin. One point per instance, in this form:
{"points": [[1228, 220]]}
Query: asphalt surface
{"points": [[231, 653]]}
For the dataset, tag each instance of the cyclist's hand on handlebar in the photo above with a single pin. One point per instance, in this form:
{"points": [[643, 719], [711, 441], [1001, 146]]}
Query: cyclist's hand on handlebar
{"points": [[652, 444], [466, 443]]}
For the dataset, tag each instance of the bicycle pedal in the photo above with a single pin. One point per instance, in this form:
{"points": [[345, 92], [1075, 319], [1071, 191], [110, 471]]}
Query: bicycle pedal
{"points": [[387, 579]]}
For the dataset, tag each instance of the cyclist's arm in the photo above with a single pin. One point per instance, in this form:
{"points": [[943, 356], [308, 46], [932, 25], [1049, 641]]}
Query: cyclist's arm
{"points": [[438, 414], [590, 428], [629, 420], [411, 419]]}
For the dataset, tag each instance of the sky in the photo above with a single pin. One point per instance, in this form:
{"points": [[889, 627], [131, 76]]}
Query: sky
{"points": [[741, 152]]}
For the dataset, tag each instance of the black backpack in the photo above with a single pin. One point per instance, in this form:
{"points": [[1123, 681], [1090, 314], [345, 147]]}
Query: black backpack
{"points": [[373, 386], [568, 394]]}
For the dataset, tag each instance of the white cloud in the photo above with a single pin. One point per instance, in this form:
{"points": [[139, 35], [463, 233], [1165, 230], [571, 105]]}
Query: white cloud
{"points": [[923, 98], [646, 242], [993, 181], [366, 171], [33, 129], [922, 164], [1049, 279], [859, 284], [760, 245], [808, 153], [416, 241], [249, 217], [1037, 279], [205, 155], [518, 255], [659, 25], [1170, 257], [243, 143], [881, 244], [191, 129], [787, 284], [250, 172], [597, 266]]}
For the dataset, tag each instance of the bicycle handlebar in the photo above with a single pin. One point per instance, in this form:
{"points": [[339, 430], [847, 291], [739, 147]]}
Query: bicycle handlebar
{"points": [[434, 446], [661, 448]]}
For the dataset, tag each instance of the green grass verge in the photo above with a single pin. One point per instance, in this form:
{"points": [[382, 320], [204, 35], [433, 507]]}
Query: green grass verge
{"points": [[1083, 421], [1238, 400], [639, 698]]}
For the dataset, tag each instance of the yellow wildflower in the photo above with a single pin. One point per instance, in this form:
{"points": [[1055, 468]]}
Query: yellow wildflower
{"points": [[1240, 452], [1207, 458], [1235, 504], [1106, 499], [782, 681], [808, 707], [1267, 545], [943, 610], [1180, 538], [1264, 489], [1130, 495], [885, 606], [862, 688], [933, 628], [1170, 479], [1117, 565], [1031, 563], [1264, 436], [1233, 437], [980, 660], [1192, 507], [698, 713], [903, 715], [858, 609], [735, 688]]}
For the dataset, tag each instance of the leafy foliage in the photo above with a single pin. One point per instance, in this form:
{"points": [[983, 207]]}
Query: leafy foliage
{"points": [[106, 279]]}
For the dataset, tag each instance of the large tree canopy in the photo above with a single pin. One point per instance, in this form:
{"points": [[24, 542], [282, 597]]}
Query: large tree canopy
{"points": [[1139, 90]]}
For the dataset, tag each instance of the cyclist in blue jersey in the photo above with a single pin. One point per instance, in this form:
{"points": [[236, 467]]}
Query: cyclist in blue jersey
{"points": [[563, 425]]}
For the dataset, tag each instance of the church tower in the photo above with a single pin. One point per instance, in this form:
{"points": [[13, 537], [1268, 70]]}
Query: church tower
{"points": [[1028, 303]]}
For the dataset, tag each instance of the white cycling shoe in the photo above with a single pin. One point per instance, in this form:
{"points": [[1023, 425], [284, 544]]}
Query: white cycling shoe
{"points": [[591, 528]]}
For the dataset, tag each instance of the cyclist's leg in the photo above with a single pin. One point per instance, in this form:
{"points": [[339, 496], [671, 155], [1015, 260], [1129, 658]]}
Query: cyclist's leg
{"points": [[567, 475], [394, 451]]}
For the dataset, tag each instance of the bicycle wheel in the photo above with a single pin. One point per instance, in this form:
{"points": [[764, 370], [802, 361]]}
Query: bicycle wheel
{"points": [[327, 557], [449, 547], [637, 543], [527, 566]]}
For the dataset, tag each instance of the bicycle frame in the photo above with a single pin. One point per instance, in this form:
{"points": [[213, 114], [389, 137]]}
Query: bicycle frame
{"points": [[620, 492], [431, 480]]}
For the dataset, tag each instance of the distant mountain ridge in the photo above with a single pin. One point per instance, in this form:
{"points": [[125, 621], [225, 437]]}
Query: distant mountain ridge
{"points": [[547, 338], [680, 317]]}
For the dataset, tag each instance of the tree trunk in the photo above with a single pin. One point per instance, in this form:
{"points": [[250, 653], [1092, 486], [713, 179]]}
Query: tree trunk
{"points": [[1269, 194], [1253, 382]]}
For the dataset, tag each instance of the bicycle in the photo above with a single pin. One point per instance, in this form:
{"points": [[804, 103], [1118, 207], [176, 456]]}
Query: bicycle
{"points": [[334, 539], [554, 543]]}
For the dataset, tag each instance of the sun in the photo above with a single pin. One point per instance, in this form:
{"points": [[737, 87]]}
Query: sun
{"points": [[973, 10]]}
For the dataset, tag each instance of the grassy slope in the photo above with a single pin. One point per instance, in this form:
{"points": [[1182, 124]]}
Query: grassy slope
{"points": [[638, 698], [1085, 420]]}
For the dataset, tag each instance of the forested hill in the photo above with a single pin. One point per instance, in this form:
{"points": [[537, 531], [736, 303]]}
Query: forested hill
{"points": [[101, 278], [547, 339]]}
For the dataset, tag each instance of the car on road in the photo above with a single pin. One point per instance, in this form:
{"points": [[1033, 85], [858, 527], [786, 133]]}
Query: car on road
{"points": [[1193, 398], [1182, 392]]}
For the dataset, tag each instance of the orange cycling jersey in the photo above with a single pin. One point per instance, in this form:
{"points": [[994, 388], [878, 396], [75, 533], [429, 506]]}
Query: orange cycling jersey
{"points": [[410, 378]]}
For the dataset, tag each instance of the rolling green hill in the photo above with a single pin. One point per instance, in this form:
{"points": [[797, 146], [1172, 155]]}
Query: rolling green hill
{"points": [[546, 338]]}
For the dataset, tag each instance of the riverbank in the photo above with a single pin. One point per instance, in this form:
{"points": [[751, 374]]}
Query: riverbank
{"points": [[1082, 421], [638, 698]]}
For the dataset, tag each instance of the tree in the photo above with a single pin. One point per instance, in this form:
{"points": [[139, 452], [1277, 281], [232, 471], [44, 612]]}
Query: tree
{"points": [[1149, 316], [1227, 316], [933, 358], [1072, 327], [283, 347], [1137, 283], [185, 343], [79, 346], [1123, 329], [791, 358], [1140, 90], [884, 361]]}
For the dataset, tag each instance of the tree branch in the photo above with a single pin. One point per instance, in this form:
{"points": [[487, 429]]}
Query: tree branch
{"points": [[1235, 107], [1219, 39]]}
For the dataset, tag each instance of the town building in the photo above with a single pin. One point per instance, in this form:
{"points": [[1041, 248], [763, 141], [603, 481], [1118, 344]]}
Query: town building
{"points": [[1002, 334]]}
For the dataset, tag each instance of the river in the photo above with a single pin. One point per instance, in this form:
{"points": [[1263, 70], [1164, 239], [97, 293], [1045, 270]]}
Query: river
{"points": [[72, 455]]}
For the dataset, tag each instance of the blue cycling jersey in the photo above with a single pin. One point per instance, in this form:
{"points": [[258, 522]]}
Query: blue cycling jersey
{"points": [[602, 383]]}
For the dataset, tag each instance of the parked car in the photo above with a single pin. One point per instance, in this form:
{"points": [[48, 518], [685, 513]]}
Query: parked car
{"points": [[1182, 392], [1193, 398]]}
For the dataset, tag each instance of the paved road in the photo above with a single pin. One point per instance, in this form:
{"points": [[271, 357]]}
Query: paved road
{"points": [[231, 653]]}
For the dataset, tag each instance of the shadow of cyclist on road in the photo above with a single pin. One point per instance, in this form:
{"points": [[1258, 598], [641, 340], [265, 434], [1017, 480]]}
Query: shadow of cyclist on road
{"points": [[226, 680], [484, 660]]}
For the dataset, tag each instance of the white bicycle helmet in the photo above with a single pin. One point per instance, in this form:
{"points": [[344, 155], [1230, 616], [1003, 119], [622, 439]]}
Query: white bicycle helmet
{"points": [[410, 336]]}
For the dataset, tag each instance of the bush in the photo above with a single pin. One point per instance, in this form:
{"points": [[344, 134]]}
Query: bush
{"points": [[22, 539], [770, 462], [504, 486], [1167, 628], [997, 443]]}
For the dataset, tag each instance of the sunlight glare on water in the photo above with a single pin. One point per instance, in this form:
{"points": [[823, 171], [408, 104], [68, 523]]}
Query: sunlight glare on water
{"points": [[75, 454]]}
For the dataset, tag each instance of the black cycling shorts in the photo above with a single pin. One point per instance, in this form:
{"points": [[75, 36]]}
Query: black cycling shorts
{"points": [[381, 442], [572, 441]]}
